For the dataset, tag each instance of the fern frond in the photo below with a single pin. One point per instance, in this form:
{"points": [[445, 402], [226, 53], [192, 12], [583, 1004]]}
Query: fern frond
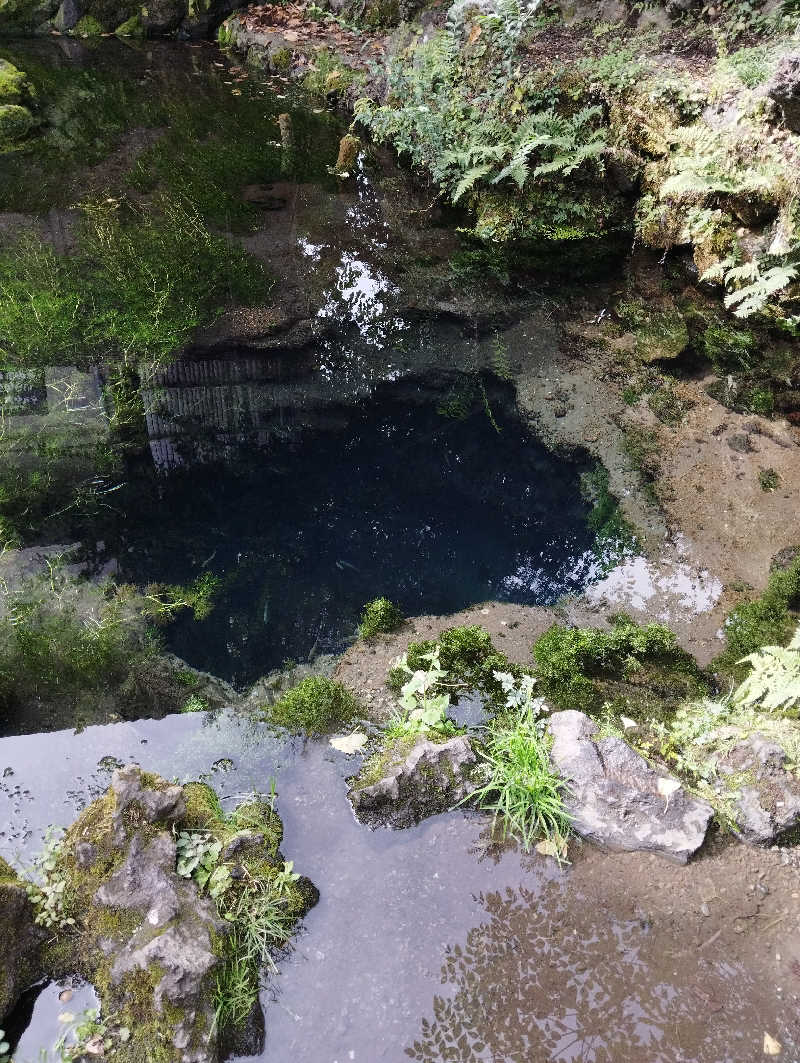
{"points": [[469, 179]]}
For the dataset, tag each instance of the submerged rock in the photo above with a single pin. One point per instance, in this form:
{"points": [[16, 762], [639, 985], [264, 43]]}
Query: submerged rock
{"points": [[616, 799], [769, 796], [406, 784], [20, 940]]}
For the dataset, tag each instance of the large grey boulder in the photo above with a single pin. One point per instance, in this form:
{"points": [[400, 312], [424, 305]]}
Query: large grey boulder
{"points": [[617, 800], [769, 796], [784, 88], [414, 783], [20, 940]]}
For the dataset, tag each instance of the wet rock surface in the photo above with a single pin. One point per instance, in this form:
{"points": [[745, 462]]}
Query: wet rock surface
{"points": [[429, 778], [617, 800], [769, 795], [149, 936], [20, 940]]}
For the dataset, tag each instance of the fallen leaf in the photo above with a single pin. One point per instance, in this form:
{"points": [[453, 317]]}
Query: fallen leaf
{"points": [[474, 33], [66, 1016], [771, 1046], [95, 1046], [667, 787], [349, 743], [548, 848], [627, 722]]}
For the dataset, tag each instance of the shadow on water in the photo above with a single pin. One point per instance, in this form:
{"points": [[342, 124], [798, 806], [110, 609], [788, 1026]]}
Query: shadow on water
{"points": [[433, 944]]}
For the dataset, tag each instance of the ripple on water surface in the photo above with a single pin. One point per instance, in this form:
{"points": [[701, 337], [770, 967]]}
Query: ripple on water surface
{"points": [[432, 944]]}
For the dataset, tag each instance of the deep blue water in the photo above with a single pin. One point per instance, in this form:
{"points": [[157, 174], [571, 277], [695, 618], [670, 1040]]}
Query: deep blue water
{"points": [[391, 498]]}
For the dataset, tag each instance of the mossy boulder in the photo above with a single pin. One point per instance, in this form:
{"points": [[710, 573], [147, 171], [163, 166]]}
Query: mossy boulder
{"points": [[147, 932], [20, 940], [16, 122], [14, 84], [627, 669], [414, 778], [132, 27]]}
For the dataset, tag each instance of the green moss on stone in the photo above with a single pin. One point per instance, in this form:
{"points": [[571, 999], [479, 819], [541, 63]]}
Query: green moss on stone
{"points": [[660, 331], [280, 61], [14, 85], [16, 122], [583, 668], [88, 26], [379, 617], [317, 705], [769, 620], [132, 27]]}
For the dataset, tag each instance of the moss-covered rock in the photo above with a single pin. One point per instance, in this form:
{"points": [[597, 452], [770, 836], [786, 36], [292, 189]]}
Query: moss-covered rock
{"points": [[660, 331], [132, 27], [20, 940], [638, 671], [16, 122], [163, 890], [88, 26], [14, 84]]}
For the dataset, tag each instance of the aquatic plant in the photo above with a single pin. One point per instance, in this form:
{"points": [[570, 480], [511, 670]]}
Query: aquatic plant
{"points": [[317, 705], [379, 616], [521, 789], [142, 280]]}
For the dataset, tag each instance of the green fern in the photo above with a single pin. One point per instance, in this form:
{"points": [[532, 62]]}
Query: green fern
{"points": [[774, 681], [754, 297]]}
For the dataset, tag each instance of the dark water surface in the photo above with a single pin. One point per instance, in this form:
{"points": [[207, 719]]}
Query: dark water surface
{"points": [[389, 497], [433, 944]]}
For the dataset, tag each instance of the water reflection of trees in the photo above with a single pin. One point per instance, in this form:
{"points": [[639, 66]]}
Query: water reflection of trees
{"points": [[538, 982]]}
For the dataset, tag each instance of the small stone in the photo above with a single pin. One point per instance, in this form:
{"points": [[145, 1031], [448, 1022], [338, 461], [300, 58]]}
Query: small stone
{"points": [[560, 411]]}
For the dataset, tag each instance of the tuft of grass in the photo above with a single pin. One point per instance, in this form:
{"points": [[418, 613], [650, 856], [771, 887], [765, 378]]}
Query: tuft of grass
{"points": [[380, 616], [769, 479], [317, 705], [521, 790]]}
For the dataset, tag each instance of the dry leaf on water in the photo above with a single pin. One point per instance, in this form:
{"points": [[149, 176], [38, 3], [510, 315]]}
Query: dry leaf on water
{"points": [[349, 743]]}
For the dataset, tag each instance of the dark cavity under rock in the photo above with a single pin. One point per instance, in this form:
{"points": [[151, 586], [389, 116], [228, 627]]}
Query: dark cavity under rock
{"points": [[416, 782], [617, 800]]}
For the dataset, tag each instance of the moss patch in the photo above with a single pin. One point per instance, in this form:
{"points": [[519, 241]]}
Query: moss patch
{"points": [[317, 705], [769, 620], [641, 668]]}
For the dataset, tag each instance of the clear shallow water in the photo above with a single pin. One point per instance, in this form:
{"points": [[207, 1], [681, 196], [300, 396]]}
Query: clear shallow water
{"points": [[434, 944]]}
